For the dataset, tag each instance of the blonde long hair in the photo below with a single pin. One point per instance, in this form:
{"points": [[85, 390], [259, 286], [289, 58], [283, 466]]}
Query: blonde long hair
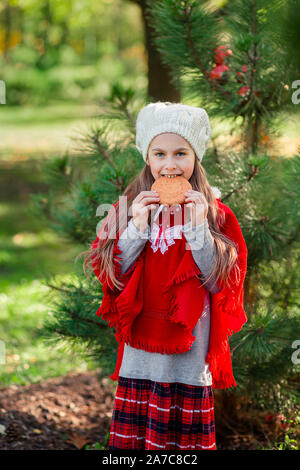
{"points": [[102, 254]]}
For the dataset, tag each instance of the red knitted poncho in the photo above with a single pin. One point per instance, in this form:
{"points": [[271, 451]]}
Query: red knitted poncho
{"points": [[163, 299]]}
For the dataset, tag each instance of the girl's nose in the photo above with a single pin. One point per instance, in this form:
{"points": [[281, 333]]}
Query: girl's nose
{"points": [[170, 165]]}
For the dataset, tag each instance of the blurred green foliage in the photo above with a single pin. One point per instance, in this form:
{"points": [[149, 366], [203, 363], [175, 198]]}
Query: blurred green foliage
{"points": [[67, 49]]}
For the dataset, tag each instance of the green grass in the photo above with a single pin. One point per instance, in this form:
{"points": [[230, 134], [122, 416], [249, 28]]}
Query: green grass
{"points": [[37, 131], [30, 254], [53, 114], [27, 358], [98, 445]]}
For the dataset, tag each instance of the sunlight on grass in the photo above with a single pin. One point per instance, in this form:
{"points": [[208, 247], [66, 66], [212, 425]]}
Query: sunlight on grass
{"points": [[4, 209], [28, 358], [30, 255], [28, 248], [28, 239], [40, 130], [29, 116]]}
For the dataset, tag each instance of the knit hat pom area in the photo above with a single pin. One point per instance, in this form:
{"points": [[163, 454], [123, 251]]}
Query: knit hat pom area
{"points": [[191, 122]]}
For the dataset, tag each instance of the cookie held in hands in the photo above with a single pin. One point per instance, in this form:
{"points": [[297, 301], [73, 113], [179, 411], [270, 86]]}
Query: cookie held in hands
{"points": [[171, 190]]}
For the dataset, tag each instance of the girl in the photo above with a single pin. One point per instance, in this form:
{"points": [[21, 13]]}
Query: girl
{"points": [[172, 283]]}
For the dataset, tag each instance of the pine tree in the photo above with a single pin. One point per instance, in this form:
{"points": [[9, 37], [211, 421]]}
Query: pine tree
{"points": [[263, 191]]}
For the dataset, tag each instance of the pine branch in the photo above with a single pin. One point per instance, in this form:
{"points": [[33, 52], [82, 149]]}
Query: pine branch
{"points": [[118, 182], [119, 100], [295, 237], [103, 150], [45, 208], [74, 315], [85, 320], [68, 334], [213, 83], [253, 172], [67, 310], [288, 289], [58, 288]]}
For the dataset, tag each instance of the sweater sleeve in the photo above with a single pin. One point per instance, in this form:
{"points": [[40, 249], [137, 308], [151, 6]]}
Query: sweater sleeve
{"points": [[131, 243], [203, 249]]}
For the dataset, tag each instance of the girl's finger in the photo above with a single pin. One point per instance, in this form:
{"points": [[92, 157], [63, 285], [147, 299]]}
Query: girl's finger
{"points": [[147, 200], [196, 201], [144, 194], [150, 198]]}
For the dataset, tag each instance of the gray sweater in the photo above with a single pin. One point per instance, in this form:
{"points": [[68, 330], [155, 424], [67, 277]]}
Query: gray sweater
{"points": [[190, 367]]}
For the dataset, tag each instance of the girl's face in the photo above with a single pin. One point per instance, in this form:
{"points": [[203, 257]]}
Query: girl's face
{"points": [[170, 154]]}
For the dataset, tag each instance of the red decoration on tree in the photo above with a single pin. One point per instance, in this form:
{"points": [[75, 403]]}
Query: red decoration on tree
{"points": [[219, 72], [221, 52], [244, 90], [241, 74]]}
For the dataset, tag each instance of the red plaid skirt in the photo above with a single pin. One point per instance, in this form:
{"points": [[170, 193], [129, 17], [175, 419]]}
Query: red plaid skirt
{"points": [[152, 415]]}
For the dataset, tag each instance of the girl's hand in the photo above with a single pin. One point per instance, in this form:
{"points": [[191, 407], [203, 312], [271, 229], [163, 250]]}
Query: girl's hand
{"points": [[141, 206], [198, 207]]}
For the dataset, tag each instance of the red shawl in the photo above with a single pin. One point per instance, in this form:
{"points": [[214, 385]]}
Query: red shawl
{"points": [[164, 322]]}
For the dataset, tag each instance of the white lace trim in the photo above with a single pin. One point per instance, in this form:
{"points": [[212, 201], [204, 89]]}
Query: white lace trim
{"points": [[159, 242], [171, 233]]}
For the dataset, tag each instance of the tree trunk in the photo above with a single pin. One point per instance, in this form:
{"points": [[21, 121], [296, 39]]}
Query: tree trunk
{"points": [[160, 87], [252, 136], [7, 19]]}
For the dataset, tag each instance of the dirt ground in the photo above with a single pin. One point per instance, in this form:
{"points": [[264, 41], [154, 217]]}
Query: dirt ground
{"points": [[67, 413], [61, 413]]}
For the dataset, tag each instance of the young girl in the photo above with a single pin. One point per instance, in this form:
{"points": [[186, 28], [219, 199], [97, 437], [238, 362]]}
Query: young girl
{"points": [[172, 281]]}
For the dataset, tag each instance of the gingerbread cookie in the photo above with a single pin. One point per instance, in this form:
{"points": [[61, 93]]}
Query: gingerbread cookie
{"points": [[171, 190]]}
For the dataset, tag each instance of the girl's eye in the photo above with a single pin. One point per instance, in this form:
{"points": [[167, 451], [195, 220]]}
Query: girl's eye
{"points": [[160, 153]]}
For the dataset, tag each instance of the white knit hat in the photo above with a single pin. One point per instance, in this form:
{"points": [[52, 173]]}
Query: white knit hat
{"points": [[190, 122]]}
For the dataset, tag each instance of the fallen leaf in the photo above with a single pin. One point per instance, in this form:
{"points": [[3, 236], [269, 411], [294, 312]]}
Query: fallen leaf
{"points": [[78, 440]]}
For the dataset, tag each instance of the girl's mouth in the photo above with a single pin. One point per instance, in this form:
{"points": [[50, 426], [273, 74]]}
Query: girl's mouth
{"points": [[171, 176]]}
